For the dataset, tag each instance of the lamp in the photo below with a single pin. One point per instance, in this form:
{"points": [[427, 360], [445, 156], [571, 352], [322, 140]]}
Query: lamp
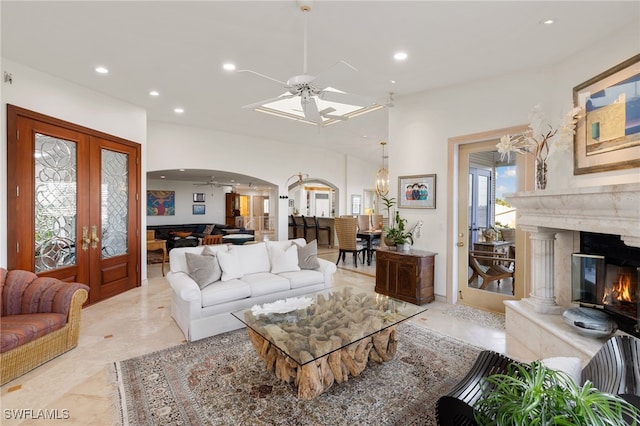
{"points": [[382, 176]]}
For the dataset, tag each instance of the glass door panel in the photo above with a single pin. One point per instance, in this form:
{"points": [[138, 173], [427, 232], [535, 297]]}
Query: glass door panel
{"points": [[114, 204], [56, 189]]}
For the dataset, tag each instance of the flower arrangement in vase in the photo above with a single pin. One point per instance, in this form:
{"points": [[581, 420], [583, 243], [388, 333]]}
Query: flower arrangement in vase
{"points": [[539, 140]]}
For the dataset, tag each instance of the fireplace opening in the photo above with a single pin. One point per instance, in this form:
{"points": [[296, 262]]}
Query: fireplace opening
{"points": [[605, 275]]}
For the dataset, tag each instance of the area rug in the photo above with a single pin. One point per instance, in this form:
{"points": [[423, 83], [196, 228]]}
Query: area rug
{"points": [[221, 381], [154, 256], [478, 316]]}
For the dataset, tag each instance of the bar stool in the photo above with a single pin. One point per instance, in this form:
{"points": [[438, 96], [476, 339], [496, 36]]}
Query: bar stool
{"points": [[322, 228], [296, 225]]}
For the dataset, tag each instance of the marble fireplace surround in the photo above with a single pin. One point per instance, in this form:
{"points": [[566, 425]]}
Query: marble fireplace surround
{"points": [[553, 219]]}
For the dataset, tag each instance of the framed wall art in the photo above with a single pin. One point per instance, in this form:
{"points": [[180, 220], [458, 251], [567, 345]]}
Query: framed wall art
{"points": [[417, 192], [608, 131], [199, 209], [161, 203], [198, 197]]}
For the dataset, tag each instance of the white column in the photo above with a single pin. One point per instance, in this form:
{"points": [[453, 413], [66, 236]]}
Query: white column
{"points": [[542, 296]]}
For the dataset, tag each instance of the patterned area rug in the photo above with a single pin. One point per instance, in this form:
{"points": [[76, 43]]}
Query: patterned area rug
{"points": [[478, 316], [221, 381], [154, 256]]}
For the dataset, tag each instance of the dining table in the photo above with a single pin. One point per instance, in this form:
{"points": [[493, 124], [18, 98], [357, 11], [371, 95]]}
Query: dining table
{"points": [[369, 236]]}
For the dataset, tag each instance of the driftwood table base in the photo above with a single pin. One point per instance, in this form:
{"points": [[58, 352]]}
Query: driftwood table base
{"points": [[315, 377]]}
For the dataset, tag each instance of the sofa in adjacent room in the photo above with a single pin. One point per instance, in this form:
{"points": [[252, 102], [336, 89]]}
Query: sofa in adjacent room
{"points": [[210, 282], [188, 235]]}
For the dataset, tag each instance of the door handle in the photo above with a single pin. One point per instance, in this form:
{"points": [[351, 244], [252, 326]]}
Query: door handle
{"points": [[94, 236], [85, 238], [460, 244]]}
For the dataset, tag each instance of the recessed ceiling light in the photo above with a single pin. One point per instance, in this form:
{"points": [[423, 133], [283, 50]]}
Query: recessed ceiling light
{"points": [[392, 81], [547, 21], [229, 66], [102, 70], [154, 93], [400, 56], [178, 110], [162, 177], [182, 170]]}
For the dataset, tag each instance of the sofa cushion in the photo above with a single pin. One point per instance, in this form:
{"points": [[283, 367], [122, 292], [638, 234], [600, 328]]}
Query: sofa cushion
{"points": [[204, 268], [266, 283], [308, 256], [283, 260], [254, 258], [208, 229], [303, 278], [230, 265], [178, 260], [199, 229], [224, 292], [16, 330]]}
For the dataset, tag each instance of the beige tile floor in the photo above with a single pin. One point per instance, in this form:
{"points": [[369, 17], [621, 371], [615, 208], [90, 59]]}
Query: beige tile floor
{"points": [[77, 384]]}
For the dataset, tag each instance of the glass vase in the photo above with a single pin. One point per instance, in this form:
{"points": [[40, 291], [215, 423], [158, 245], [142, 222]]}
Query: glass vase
{"points": [[541, 174]]}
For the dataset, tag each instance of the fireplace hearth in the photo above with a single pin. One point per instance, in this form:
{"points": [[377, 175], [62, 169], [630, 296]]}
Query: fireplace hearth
{"points": [[554, 219], [605, 275]]}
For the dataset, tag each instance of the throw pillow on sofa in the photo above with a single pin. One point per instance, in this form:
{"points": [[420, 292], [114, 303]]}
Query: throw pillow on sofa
{"points": [[254, 257], [283, 260], [230, 265], [308, 255], [208, 229], [203, 268]]}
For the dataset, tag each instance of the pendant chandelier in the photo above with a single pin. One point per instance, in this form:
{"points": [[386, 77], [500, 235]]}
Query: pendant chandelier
{"points": [[382, 176]]}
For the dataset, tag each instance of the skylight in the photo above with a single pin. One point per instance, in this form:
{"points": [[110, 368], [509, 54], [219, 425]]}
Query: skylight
{"points": [[292, 109]]}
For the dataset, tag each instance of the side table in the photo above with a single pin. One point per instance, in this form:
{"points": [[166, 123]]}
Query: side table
{"points": [[158, 245]]}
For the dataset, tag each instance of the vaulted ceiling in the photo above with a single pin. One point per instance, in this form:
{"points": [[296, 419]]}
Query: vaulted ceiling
{"points": [[178, 48]]}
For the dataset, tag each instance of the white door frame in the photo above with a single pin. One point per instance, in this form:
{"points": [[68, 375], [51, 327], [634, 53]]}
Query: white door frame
{"points": [[453, 203]]}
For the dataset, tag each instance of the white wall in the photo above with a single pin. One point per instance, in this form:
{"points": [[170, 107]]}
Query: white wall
{"points": [[421, 124], [214, 203], [59, 98], [173, 147]]}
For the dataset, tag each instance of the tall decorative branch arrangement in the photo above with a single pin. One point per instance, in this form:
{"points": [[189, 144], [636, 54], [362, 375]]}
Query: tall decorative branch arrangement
{"points": [[540, 140]]}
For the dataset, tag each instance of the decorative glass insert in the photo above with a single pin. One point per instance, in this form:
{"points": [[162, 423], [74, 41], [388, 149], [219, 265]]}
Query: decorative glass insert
{"points": [[115, 203], [55, 202]]}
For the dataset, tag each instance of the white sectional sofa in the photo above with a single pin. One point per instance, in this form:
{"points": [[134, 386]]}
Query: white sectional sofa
{"points": [[250, 274]]}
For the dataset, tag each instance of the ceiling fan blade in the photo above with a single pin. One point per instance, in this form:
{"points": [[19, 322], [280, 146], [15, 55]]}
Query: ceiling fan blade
{"points": [[346, 98], [264, 76], [332, 74], [268, 101], [310, 109]]}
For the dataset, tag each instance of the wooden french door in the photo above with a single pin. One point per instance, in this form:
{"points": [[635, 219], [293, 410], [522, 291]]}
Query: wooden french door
{"points": [[73, 205]]}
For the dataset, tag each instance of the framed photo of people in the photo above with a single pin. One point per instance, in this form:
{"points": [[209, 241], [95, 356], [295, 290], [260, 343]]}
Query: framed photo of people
{"points": [[417, 192]]}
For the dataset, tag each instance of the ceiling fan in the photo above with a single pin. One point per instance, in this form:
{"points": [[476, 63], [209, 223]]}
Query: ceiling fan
{"points": [[214, 183], [312, 89]]}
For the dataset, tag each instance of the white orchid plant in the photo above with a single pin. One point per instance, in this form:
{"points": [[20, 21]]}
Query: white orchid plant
{"points": [[541, 136]]}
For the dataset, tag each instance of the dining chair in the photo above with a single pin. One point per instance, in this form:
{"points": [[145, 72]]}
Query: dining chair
{"points": [[208, 240], [346, 232], [364, 222]]}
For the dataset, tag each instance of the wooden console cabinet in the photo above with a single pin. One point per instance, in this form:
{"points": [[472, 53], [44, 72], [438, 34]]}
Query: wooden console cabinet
{"points": [[405, 275]]}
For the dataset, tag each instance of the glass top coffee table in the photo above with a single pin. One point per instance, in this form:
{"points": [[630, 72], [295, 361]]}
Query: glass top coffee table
{"points": [[320, 338]]}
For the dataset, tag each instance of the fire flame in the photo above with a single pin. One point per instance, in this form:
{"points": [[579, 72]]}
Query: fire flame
{"points": [[619, 291]]}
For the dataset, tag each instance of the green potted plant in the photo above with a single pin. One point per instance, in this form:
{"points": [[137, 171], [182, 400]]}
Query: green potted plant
{"points": [[532, 394], [397, 235]]}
